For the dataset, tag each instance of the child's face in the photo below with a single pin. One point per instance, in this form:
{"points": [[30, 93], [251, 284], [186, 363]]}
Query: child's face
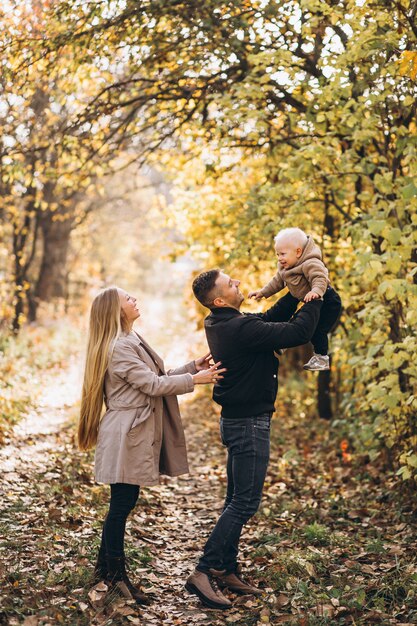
{"points": [[288, 253]]}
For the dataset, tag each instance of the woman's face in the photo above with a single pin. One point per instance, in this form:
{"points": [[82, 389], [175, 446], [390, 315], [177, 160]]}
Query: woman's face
{"points": [[128, 306]]}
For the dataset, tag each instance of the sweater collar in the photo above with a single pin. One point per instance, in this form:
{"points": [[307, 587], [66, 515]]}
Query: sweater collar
{"points": [[224, 311]]}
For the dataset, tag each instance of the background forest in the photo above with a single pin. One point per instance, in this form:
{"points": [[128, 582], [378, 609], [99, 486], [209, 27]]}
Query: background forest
{"points": [[130, 132]]}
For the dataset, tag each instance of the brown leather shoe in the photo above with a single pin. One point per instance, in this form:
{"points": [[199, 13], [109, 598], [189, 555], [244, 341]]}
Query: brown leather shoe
{"points": [[234, 583], [199, 584]]}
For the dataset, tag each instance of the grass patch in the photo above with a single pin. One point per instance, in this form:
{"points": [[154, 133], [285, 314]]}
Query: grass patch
{"points": [[376, 546], [138, 556], [317, 534]]}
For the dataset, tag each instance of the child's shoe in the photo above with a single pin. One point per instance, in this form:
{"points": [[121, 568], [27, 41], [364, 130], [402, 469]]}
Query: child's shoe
{"points": [[318, 362]]}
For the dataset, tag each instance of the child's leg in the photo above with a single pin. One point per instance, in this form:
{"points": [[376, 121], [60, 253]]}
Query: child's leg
{"points": [[330, 313], [285, 308]]}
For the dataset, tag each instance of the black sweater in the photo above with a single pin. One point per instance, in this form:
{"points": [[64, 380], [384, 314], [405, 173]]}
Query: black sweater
{"points": [[245, 345]]}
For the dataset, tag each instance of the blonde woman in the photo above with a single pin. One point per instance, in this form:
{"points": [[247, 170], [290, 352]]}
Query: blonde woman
{"points": [[140, 434]]}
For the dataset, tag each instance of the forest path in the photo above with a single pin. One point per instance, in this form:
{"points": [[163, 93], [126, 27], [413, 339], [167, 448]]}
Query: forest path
{"points": [[32, 439]]}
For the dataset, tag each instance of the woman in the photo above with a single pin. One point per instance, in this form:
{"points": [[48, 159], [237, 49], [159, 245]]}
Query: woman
{"points": [[140, 435]]}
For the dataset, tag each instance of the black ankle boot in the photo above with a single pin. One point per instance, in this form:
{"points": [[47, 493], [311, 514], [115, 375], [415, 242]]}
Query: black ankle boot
{"points": [[118, 580]]}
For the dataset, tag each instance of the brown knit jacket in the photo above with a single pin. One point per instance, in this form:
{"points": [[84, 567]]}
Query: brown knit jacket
{"points": [[310, 274]]}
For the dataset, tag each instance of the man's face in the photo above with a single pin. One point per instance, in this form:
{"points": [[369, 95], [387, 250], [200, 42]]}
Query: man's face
{"points": [[228, 291]]}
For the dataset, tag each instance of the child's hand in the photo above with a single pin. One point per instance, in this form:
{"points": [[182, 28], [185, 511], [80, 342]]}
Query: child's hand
{"points": [[256, 295], [311, 295]]}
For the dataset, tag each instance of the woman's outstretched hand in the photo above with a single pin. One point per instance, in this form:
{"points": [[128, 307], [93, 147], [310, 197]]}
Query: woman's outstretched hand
{"points": [[211, 374], [203, 363]]}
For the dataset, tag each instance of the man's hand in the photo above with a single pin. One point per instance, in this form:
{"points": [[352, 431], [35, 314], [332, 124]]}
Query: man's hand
{"points": [[203, 363], [256, 295], [311, 295]]}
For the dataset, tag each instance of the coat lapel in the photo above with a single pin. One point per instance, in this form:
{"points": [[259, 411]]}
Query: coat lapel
{"points": [[153, 355]]}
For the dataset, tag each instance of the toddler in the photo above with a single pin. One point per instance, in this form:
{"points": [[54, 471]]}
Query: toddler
{"points": [[301, 269]]}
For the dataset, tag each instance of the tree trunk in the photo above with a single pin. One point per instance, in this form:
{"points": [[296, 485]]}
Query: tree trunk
{"points": [[324, 404], [52, 279], [24, 248], [19, 290], [18, 308]]}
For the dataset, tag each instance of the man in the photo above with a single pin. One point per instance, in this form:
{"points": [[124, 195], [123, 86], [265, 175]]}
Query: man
{"points": [[246, 346]]}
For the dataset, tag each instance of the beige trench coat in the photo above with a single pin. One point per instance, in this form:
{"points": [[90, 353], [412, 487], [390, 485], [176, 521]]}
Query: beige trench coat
{"points": [[141, 435]]}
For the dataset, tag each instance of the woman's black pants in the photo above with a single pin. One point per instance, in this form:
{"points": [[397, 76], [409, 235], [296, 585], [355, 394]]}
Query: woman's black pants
{"points": [[123, 498]]}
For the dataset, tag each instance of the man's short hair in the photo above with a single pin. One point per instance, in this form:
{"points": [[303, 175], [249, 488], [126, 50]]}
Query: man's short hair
{"points": [[204, 287]]}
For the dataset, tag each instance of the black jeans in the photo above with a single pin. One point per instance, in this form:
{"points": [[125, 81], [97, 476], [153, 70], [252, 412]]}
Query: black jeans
{"points": [[329, 316], [248, 441], [123, 498]]}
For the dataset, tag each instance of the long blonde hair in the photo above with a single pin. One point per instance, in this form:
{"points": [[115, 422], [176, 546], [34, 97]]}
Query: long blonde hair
{"points": [[106, 324]]}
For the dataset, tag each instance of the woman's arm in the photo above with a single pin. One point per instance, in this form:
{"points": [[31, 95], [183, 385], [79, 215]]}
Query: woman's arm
{"points": [[127, 364], [188, 368], [201, 363]]}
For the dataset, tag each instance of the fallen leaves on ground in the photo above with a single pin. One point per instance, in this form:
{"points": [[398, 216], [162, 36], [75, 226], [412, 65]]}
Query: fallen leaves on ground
{"points": [[332, 543]]}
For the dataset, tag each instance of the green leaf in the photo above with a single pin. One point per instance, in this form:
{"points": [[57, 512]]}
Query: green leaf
{"points": [[409, 191], [376, 226], [393, 235], [404, 472], [412, 460]]}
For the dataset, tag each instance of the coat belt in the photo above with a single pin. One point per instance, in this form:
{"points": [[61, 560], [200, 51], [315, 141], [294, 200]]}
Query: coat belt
{"points": [[124, 408]]}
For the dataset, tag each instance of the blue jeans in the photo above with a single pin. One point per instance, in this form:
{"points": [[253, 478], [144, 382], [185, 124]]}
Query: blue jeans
{"points": [[247, 440]]}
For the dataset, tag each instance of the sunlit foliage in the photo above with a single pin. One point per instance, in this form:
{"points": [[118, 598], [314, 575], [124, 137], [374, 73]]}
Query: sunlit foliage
{"points": [[269, 113]]}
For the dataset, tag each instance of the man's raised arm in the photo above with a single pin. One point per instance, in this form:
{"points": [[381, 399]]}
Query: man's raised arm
{"points": [[258, 333], [281, 311]]}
